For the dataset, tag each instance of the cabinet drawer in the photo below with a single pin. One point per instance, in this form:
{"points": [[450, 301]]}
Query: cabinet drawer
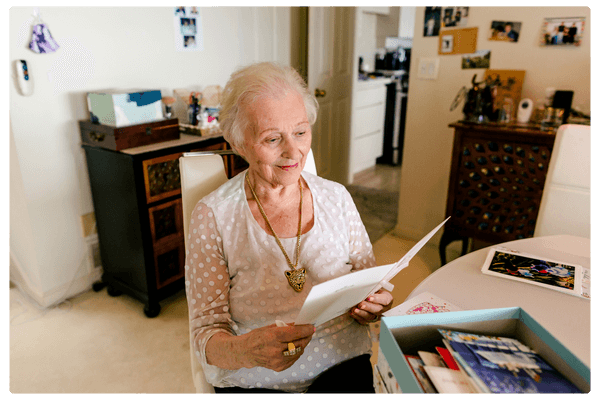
{"points": [[368, 121], [161, 177], [169, 263], [166, 228], [365, 151], [166, 222], [161, 174], [370, 97]]}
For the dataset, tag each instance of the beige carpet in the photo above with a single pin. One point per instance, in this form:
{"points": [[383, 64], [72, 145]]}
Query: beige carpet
{"points": [[99, 344], [95, 343]]}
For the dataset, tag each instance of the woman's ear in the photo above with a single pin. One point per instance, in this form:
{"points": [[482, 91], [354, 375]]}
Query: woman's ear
{"points": [[238, 150]]}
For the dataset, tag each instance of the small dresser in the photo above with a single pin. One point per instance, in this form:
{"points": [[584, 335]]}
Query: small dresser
{"points": [[137, 202]]}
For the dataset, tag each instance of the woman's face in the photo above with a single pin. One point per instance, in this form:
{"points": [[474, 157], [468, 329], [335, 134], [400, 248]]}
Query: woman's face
{"points": [[277, 139]]}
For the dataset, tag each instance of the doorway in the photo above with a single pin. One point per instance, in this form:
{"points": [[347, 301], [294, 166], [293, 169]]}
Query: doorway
{"points": [[374, 190]]}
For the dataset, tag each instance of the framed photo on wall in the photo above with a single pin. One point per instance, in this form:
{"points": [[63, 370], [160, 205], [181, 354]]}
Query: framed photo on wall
{"points": [[511, 85], [454, 17], [432, 21], [562, 31], [506, 31]]}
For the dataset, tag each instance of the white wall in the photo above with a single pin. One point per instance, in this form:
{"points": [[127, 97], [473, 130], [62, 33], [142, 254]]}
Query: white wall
{"points": [[127, 48], [428, 139], [102, 48]]}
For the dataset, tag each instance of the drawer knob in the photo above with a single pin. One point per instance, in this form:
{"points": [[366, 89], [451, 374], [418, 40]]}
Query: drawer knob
{"points": [[97, 137], [320, 93]]}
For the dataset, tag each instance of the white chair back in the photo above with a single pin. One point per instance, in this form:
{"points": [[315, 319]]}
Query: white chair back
{"points": [[309, 165], [200, 175], [565, 205]]}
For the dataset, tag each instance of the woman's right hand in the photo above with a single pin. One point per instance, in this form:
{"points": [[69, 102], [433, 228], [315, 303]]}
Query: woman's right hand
{"points": [[264, 347]]}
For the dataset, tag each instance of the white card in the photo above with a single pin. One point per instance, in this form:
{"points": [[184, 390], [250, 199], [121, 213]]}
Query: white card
{"points": [[333, 298]]}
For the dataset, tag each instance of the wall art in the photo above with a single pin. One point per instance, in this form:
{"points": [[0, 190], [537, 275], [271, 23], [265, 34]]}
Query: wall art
{"points": [[188, 29], [562, 31], [506, 31]]}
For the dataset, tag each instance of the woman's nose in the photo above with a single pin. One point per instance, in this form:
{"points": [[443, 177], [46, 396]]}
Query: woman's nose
{"points": [[291, 150]]}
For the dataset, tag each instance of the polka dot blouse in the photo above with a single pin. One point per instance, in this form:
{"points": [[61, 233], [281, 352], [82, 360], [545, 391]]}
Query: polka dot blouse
{"points": [[234, 277]]}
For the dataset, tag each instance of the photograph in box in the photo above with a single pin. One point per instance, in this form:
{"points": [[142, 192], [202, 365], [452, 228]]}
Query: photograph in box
{"points": [[505, 365]]}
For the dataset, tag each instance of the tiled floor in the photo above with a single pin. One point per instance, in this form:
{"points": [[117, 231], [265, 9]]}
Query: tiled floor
{"points": [[379, 177]]}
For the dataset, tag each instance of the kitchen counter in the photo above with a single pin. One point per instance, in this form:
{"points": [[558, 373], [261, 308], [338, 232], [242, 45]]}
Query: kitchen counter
{"points": [[373, 82]]}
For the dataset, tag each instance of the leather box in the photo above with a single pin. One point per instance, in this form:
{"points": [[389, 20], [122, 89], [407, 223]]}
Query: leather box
{"points": [[113, 138]]}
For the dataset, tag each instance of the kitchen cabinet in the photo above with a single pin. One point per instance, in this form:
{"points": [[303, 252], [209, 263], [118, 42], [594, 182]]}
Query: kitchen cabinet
{"points": [[407, 22], [376, 10], [136, 194], [368, 113]]}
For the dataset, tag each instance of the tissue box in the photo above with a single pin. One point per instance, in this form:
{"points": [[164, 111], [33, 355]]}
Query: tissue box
{"points": [[118, 108], [407, 334]]}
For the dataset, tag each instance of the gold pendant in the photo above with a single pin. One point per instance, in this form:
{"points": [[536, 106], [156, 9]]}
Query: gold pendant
{"points": [[296, 278]]}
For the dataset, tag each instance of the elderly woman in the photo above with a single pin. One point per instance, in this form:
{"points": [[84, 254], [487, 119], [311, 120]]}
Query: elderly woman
{"points": [[263, 239]]}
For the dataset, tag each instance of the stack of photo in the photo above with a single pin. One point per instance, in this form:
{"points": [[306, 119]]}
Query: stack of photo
{"points": [[470, 363]]}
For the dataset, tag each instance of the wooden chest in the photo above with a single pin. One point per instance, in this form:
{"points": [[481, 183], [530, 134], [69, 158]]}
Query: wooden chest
{"points": [[113, 138]]}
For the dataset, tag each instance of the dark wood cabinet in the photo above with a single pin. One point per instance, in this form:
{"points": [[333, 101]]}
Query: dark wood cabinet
{"points": [[137, 202], [496, 182]]}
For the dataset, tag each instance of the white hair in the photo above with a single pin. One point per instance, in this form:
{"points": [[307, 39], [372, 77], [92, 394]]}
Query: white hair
{"points": [[249, 83]]}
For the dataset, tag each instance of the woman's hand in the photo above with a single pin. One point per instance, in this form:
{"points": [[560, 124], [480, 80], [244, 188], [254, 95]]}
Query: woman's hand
{"points": [[261, 347], [370, 309], [264, 347]]}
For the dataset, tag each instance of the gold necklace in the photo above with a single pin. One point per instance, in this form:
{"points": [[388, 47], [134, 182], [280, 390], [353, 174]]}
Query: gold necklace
{"points": [[296, 277]]}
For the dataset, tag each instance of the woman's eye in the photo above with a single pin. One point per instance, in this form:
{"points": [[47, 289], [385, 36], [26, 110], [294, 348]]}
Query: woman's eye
{"points": [[271, 140], [301, 133]]}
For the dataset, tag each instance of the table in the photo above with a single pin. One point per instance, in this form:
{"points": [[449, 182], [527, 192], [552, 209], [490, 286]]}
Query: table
{"points": [[567, 317]]}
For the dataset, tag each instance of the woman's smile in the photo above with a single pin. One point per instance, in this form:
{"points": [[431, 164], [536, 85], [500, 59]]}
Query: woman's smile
{"points": [[287, 167]]}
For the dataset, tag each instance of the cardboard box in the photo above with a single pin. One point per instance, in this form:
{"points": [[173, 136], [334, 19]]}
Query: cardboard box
{"points": [[407, 334], [119, 108]]}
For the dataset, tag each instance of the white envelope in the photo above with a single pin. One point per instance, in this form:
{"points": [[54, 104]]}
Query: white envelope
{"points": [[333, 298]]}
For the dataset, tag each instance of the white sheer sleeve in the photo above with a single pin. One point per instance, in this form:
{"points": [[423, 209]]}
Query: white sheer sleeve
{"points": [[207, 286], [361, 250]]}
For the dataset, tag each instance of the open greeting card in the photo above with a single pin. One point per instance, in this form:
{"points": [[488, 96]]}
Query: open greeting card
{"points": [[337, 296]]}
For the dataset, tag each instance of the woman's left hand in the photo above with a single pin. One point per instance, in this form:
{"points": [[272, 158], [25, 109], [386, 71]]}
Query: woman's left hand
{"points": [[370, 309]]}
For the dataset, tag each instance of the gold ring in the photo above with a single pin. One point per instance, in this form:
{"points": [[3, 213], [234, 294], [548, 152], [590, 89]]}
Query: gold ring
{"points": [[292, 350]]}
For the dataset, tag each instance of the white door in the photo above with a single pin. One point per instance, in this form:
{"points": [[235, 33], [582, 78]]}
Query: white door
{"points": [[330, 73]]}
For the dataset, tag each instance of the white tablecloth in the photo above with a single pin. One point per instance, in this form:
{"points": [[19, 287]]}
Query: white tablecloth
{"points": [[567, 317]]}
